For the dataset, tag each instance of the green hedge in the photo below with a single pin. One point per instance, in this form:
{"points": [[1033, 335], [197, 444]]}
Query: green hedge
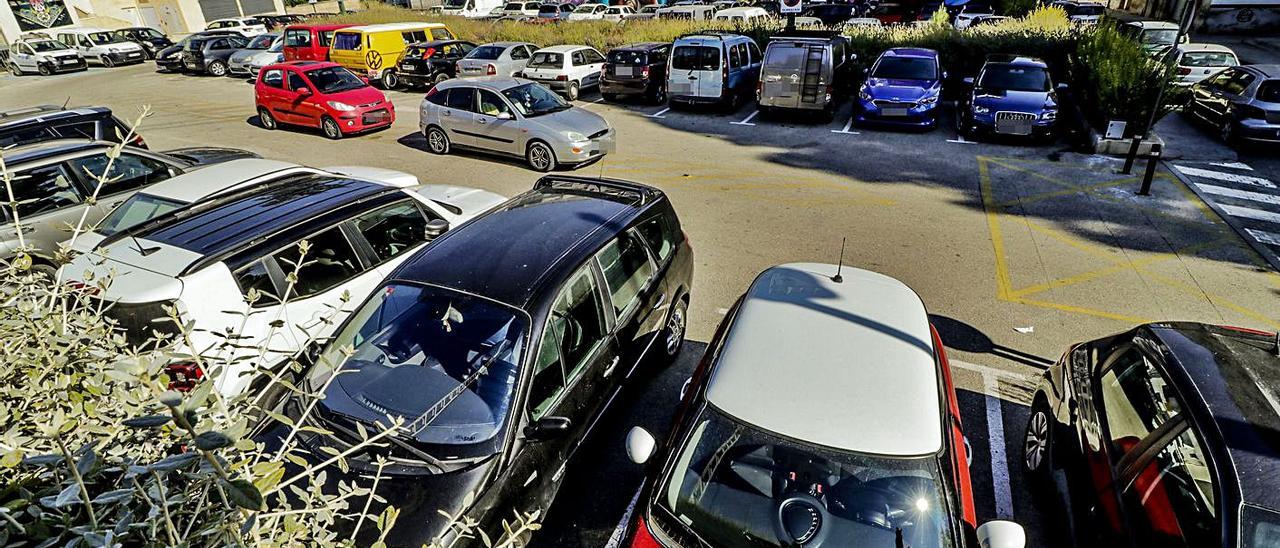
{"points": [[1116, 80]]}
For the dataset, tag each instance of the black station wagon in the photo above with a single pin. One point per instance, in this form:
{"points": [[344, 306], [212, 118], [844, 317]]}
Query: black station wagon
{"points": [[500, 345]]}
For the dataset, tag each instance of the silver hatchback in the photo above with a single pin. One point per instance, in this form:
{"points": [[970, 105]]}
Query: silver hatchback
{"points": [[516, 117], [496, 59]]}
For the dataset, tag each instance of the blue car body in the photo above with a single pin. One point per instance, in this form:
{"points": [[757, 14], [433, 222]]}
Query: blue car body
{"points": [[990, 102], [900, 90]]}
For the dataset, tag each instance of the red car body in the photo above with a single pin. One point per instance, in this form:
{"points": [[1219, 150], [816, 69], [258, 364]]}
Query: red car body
{"points": [[291, 94], [309, 42]]}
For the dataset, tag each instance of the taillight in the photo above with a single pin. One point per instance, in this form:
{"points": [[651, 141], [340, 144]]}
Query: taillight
{"points": [[183, 376], [1247, 330], [561, 78], [427, 54], [138, 142], [644, 72], [724, 72], [1184, 71], [643, 538], [490, 69]]}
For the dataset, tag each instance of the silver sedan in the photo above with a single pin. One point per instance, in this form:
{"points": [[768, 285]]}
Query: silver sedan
{"points": [[496, 59], [515, 117]]}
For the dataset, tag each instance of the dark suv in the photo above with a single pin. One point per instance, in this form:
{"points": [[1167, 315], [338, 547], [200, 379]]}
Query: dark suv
{"points": [[1167, 435], [150, 39], [636, 69], [209, 54], [500, 345], [427, 63], [48, 122]]}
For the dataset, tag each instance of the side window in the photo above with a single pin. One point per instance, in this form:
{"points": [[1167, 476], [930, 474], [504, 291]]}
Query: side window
{"points": [[519, 52], [1238, 83], [491, 104], [579, 59], [461, 99], [574, 330], [44, 189], [128, 172], [220, 43], [735, 56], [441, 34], [627, 269], [1135, 400], [296, 81], [753, 53], [273, 78], [438, 97], [255, 276], [82, 130], [330, 261], [325, 38], [238, 42], [1171, 500], [548, 372], [297, 38], [393, 230], [658, 235], [594, 56]]}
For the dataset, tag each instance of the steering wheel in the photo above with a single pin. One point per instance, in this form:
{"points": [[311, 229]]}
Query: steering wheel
{"points": [[800, 519]]}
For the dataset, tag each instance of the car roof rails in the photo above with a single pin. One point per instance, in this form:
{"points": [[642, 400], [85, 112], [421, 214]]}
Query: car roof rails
{"points": [[810, 34], [28, 111], [719, 33], [599, 185]]}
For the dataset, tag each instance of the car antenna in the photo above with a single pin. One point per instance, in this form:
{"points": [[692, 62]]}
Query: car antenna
{"points": [[67, 102], [144, 251], [840, 264]]}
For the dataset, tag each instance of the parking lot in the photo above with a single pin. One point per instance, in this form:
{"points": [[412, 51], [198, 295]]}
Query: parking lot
{"points": [[1016, 251]]}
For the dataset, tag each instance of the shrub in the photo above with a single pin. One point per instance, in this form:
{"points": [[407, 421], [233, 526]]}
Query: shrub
{"points": [[1116, 80]]}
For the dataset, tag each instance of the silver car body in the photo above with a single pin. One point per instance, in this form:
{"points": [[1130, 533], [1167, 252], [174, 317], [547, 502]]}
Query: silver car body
{"points": [[514, 56], [29, 55], [84, 40], [799, 73], [1199, 61], [576, 135], [239, 62]]}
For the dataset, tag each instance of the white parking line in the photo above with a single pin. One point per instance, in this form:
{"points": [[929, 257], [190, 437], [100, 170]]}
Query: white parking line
{"points": [[995, 437], [1232, 165], [960, 139], [659, 114], [1250, 213], [747, 121], [1223, 176], [616, 538], [1269, 238], [846, 131], [1241, 194]]}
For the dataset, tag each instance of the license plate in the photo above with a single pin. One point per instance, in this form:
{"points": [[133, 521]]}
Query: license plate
{"points": [[375, 117], [894, 112], [68, 61], [135, 54], [408, 66], [624, 71], [1014, 127], [606, 146]]}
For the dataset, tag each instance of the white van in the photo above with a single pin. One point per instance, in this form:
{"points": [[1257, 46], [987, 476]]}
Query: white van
{"points": [[471, 9], [713, 68], [102, 46], [742, 15]]}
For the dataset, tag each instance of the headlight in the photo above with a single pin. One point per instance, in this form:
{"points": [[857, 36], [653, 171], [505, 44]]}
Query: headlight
{"points": [[979, 109], [339, 105], [862, 94], [575, 136], [1049, 115], [929, 100], [113, 50]]}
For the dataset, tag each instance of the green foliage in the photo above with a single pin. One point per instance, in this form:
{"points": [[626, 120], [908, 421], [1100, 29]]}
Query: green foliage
{"points": [[1116, 80]]}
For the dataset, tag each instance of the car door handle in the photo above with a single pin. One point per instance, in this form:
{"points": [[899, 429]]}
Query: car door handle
{"points": [[661, 300], [693, 77], [481, 121], [612, 365], [445, 113]]}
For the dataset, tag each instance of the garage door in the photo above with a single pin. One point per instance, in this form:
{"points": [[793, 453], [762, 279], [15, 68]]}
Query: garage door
{"points": [[219, 9], [255, 7]]}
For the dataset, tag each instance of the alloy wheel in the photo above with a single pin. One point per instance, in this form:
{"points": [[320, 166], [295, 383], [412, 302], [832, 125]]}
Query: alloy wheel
{"points": [[660, 94], [217, 68], [266, 119], [107, 62], [390, 80], [437, 141], [331, 129], [1036, 445], [675, 331], [541, 158]]}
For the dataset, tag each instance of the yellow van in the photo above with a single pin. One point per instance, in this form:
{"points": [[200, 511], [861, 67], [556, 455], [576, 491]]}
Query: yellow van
{"points": [[372, 50]]}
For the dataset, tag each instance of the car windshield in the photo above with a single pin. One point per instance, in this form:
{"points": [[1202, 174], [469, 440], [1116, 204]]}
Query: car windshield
{"points": [[1209, 59], [276, 47], [784, 57], [42, 46], [695, 58], [1013, 78], [547, 60], [1160, 36], [513, 6], [455, 4], [104, 38], [730, 479], [1088, 10], [534, 99], [137, 209], [486, 53], [628, 57], [1269, 91], [150, 33], [905, 68], [334, 79], [445, 362], [261, 41]]}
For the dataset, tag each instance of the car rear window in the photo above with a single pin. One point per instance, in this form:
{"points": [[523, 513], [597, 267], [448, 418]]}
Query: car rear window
{"points": [[548, 10], [1209, 59], [486, 53], [625, 57], [137, 209], [513, 6], [695, 58], [347, 41], [546, 59], [1269, 91], [784, 57]]}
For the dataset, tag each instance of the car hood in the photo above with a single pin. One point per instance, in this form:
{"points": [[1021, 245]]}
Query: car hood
{"points": [[244, 55], [169, 52], [576, 119], [361, 96], [204, 156], [61, 55], [900, 90], [1022, 101], [472, 201], [264, 58]]}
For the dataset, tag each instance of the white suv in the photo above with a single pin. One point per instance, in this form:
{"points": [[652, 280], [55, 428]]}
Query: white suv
{"points": [[566, 69], [246, 26], [206, 260]]}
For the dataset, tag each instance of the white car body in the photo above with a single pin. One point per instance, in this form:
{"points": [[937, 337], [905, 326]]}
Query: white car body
{"points": [[471, 9], [30, 56], [146, 274], [521, 10], [964, 20], [742, 15], [863, 22], [581, 64], [618, 13], [590, 11], [246, 26], [104, 53], [1197, 62]]}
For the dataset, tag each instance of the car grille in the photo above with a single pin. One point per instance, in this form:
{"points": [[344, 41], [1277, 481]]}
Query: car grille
{"points": [[599, 134], [373, 104], [1014, 123], [893, 104], [139, 321]]}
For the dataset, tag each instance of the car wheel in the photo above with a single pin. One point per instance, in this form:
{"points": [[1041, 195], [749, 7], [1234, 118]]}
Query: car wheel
{"points": [[672, 336], [1228, 133], [440, 78], [1037, 443], [390, 80], [572, 92], [331, 128], [659, 95], [107, 62], [44, 70], [266, 119], [48, 272], [147, 54], [218, 68], [540, 157], [13, 68], [437, 140], [611, 97]]}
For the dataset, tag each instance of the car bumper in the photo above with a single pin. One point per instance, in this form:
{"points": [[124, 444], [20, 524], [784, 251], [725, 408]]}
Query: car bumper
{"points": [[771, 103], [695, 99], [366, 119], [908, 116], [126, 57], [414, 78], [1259, 131], [555, 85], [172, 63], [584, 151], [239, 68], [625, 87], [986, 125], [59, 66]]}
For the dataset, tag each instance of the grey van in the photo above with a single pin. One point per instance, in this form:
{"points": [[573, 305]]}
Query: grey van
{"points": [[713, 68], [803, 73]]}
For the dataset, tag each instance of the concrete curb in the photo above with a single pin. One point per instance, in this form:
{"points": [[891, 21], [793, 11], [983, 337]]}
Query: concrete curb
{"points": [[1267, 254]]}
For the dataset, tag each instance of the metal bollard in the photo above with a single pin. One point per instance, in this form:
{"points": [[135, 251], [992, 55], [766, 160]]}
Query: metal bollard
{"points": [[1152, 159], [1132, 155]]}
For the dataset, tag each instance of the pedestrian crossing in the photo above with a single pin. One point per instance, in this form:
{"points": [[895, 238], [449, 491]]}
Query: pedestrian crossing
{"points": [[1248, 198]]}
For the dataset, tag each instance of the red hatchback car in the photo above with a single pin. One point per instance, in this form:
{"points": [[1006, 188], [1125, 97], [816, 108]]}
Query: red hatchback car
{"points": [[320, 94]]}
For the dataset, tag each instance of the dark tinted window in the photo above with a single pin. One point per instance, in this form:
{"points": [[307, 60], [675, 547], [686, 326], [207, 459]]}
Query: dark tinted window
{"points": [[1238, 83], [592, 56], [44, 189], [577, 325], [579, 59], [1171, 501], [138, 208], [546, 59], [736, 54], [296, 81], [461, 99], [441, 34], [1269, 91], [519, 52], [657, 233], [695, 58], [334, 80], [255, 276], [487, 53], [1135, 400], [128, 172], [347, 41], [1014, 78], [28, 135], [627, 269], [393, 230], [330, 261], [83, 130], [628, 57]]}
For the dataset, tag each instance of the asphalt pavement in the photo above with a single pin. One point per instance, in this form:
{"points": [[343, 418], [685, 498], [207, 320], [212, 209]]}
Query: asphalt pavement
{"points": [[1016, 251]]}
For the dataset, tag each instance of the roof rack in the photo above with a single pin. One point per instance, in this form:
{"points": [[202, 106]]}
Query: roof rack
{"points": [[17, 112], [602, 186], [711, 32]]}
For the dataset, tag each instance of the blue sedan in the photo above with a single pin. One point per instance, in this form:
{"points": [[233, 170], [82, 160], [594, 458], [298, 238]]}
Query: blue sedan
{"points": [[1011, 96], [902, 89]]}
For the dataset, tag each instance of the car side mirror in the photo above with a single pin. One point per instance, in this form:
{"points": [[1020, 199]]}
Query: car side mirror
{"points": [[1001, 534], [547, 428], [640, 445], [436, 227], [1063, 86], [504, 116], [968, 81], [304, 91]]}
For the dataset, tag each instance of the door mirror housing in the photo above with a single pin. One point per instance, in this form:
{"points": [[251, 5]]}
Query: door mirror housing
{"points": [[968, 81], [304, 92], [547, 428], [640, 445], [1001, 534], [504, 116], [436, 227]]}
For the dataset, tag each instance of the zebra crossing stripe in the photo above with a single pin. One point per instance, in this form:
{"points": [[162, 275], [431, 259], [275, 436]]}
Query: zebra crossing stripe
{"points": [[1240, 194], [1223, 176], [1232, 165], [1250, 213], [1269, 238]]}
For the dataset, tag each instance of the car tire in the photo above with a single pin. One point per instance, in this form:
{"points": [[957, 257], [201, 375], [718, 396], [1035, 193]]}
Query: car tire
{"points": [[107, 62], [659, 94], [13, 68], [1228, 133], [147, 55], [672, 336], [439, 79], [1037, 444], [573, 90], [266, 119], [44, 70], [390, 80], [437, 140], [44, 270], [611, 97], [331, 128], [540, 157], [217, 68]]}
